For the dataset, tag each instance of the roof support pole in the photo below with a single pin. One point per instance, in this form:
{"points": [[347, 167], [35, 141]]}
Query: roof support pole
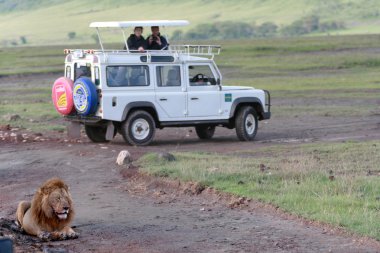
{"points": [[125, 40], [100, 40]]}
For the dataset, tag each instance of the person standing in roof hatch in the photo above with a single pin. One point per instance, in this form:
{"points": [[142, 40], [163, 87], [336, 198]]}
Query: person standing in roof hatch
{"points": [[136, 41], [156, 41]]}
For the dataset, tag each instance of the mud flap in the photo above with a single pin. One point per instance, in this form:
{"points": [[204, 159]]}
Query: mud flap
{"points": [[110, 131], [73, 130]]}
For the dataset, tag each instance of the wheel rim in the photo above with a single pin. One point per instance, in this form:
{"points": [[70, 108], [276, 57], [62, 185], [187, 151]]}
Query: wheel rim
{"points": [[140, 129], [250, 124]]}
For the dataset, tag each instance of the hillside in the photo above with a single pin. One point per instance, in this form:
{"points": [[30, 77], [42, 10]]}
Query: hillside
{"points": [[36, 22]]}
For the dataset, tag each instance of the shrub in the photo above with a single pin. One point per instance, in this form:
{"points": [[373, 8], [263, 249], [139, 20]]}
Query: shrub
{"points": [[71, 35]]}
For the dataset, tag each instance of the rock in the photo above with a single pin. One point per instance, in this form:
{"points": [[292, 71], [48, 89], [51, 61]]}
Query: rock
{"points": [[5, 127], [124, 158], [166, 156], [17, 137], [11, 117]]}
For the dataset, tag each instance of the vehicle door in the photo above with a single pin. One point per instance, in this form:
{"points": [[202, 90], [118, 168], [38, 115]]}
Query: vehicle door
{"points": [[203, 97], [170, 91]]}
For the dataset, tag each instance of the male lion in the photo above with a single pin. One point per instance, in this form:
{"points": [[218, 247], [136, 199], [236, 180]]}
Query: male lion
{"points": [[49, 214]]}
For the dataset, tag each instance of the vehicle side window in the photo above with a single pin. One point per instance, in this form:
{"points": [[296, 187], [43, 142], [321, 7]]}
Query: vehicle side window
{"points": [[81, 70], [201, 75], [125, 76], [168, 76]]}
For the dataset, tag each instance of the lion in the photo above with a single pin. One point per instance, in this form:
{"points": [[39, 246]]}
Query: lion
{"points": [[49, 214]]}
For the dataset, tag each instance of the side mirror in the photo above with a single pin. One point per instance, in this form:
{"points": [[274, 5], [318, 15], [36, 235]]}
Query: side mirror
{"points": [[218, 81]]}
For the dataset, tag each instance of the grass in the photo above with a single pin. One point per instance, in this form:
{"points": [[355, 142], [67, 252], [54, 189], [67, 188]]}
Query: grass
{"points": [[296, 179], [360, 16], [336, 70], [24, 60]]}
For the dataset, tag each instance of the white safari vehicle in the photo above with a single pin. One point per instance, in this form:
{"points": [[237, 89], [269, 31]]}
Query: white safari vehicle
{"points": [[133, 93]]}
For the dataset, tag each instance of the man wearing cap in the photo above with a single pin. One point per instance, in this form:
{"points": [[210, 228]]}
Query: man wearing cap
{"points": [[136, 41], [156, 41]]}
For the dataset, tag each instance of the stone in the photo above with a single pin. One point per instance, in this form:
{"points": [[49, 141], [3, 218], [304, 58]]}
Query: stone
{"points": [[124, 158]]}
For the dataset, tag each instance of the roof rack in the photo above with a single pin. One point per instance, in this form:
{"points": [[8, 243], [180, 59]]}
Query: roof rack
{"points": [[174, 50], [207, 50]]}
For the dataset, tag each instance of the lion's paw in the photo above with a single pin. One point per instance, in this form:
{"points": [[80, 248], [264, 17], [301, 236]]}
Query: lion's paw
{"points": [[73, 235], [45, 236]]}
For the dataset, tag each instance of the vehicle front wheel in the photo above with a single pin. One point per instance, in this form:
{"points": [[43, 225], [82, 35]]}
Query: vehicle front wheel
{"points": [[246, 123], [96, 133], [139, 128], [205, 132]]}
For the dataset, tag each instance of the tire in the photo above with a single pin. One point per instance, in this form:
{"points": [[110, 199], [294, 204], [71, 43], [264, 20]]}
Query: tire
{"points": [[205, 132], [139, 128], [246, 123], [96, 133], [85, 96], [62, 95]]}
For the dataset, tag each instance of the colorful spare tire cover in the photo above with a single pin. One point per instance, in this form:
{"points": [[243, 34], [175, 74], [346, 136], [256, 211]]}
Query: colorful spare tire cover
{"points": [[85, 96], [62, 95]]}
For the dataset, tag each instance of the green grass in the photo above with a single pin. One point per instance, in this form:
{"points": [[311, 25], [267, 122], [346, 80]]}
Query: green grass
{"points": [[25, 60], [335, 70], [295, 179], [29, 18]]}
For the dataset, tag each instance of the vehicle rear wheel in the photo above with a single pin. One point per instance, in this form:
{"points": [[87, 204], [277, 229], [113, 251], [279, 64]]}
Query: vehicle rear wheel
{"points": [[205, 132], [96, 133], [246, 123], [139, 128]]}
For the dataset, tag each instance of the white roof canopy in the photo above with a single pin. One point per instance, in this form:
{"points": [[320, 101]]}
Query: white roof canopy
{"points": [[123, 24]]}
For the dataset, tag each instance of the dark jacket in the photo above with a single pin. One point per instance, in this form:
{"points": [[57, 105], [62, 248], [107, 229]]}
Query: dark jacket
{"points": [[155, 46], [134, 43]]}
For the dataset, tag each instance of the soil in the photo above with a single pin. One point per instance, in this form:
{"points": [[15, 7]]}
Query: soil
{"points": [[118, 209]]}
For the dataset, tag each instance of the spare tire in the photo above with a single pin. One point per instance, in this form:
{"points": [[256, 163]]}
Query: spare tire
{"points": [[62, 95], [85, 96]]}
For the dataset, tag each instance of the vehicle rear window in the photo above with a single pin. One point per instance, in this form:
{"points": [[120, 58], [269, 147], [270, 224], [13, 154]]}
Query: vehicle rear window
{"points": [[82, 70], [125, 76]]}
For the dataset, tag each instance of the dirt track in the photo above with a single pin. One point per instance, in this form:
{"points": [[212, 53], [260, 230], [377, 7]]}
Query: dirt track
{"points": [[123, 214]]}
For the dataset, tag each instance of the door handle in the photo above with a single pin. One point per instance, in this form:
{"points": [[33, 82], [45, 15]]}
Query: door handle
{"points": [[194, 98], [163, 99]]}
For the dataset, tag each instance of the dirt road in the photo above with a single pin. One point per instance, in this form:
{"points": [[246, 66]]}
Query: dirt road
{"points": [[123, 215]]}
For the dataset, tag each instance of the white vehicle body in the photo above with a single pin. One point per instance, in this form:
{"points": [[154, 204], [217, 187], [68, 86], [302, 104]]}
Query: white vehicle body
{"points": [[168, 86]]}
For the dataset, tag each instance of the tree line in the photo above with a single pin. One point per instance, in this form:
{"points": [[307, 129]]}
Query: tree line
{"points": [[239, 30]]}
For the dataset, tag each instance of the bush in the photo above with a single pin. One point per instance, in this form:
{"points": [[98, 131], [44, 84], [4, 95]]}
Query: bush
{"points": [[71, 35], [241, 30], [23, 40], [177, 35], [267, 29]]}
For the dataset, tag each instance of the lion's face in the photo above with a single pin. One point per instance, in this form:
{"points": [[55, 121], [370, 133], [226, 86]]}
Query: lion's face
{"points": [[52, 203], [57, 203]]}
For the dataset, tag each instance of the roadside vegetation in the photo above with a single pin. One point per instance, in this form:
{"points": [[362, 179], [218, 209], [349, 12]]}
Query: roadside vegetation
{"points": [[334, 183]]}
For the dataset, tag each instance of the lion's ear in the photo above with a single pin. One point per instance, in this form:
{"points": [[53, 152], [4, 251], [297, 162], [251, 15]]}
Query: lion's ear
{"points": [[44, 190]]}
